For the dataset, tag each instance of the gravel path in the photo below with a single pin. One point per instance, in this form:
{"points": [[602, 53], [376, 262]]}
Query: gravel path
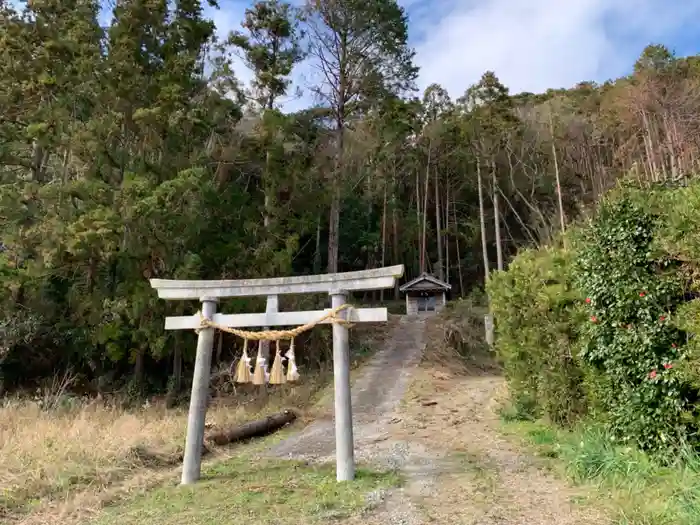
{"points": [[458, 467], [489, 479], [376, 396]]}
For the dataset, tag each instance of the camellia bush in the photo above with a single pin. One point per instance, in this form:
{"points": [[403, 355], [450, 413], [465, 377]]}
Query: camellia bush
{"points": [[606, 328], [629, 342]]}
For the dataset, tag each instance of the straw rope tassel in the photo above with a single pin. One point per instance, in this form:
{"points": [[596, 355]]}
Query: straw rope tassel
{"points": [[259, 374], [292, 372], [243, 368], [277, 374]]}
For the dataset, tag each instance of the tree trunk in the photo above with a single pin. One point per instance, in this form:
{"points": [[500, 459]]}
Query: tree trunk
{"points": [[482, 220], [317, 255], [395, 230], [177, 365], [333, 230], [177, 355], [140, 369], [424, 251], [673, 160], [37, 170], [381, 292], [651, 151], [438, 227], [334, 220], [447, 231], [258, 428], [459, 257], [418, 230], [556, 175], [268, 199], [496, 216]]}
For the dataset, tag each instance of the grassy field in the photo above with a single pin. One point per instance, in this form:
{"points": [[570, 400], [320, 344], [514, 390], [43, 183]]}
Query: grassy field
{"points": [[47, 457], [88, 465], [63, 462], [106, 465], [257, 490], [637, 489]]}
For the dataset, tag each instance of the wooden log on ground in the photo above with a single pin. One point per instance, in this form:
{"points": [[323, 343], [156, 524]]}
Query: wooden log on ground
{"points": [[261, 427], [258, 428]]}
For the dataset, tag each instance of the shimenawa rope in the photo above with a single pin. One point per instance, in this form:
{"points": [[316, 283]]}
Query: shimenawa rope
{"points": [[277, 335], [276, 376]]}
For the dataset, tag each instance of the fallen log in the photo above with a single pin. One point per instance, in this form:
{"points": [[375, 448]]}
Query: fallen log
{"points": [[258, 428], [261, 427]]}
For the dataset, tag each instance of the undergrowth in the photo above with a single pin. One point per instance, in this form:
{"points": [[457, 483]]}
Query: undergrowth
{"points": [[53, 454], [455, 338], [638, 489], [598, 336], [602, 325]]}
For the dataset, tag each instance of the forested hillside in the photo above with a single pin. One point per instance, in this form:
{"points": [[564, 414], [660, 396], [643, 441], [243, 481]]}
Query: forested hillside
{"points": [[132, 151]]}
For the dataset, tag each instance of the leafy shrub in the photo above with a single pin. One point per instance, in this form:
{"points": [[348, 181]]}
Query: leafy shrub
{"points": [[534, 304], [630, 343], [607, 328]]}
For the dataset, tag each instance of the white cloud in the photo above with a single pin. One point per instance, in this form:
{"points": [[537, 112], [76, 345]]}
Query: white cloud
{"points": [[533, 45]]}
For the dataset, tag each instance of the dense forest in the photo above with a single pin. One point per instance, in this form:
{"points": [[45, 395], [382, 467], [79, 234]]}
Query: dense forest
{"points": [[132, 151]]}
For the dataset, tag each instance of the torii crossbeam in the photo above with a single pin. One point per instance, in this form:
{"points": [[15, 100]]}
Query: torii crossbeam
{"points": [[337, 285]]}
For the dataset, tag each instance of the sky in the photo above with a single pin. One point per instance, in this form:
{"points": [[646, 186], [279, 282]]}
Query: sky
{"points": [[532, 45]]}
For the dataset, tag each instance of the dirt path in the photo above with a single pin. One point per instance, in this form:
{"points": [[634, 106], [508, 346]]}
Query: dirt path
{"points": [[441, 431], [375, 395], [486, 479]]}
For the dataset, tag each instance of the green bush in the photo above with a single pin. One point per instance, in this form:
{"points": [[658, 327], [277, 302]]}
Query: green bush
{"points": [[606, 328], [629, 341], [534, 304]]}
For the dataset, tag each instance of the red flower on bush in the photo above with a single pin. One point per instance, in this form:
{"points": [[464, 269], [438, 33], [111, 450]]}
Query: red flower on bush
{"points": [[594, 319], [673, 345], [652, 374], [588, 300], [641, 294], [668, 366], [662, 318]]}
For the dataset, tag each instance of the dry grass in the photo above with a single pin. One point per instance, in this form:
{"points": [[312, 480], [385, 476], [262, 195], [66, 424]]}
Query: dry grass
{"points": [[455, 340], [72, 460], [49, 455]]}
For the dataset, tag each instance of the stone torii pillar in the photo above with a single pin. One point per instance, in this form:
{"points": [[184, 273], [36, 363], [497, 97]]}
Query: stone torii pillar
{"points": [[338, 286]]}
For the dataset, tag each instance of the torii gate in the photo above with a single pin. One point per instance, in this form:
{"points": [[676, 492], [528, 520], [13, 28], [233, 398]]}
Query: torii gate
{"points": [[337, 285]]}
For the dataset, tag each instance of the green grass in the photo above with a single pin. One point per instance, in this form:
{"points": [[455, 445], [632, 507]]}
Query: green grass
{"points": [[638, 489], [255, 491]]}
